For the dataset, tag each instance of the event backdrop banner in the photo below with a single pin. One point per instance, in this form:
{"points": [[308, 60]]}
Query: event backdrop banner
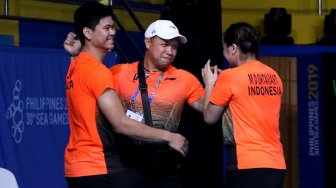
{"points": [[311, 123], [34, 125]]}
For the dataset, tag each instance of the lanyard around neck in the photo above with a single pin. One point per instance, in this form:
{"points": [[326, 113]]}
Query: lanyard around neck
{"points": [[150, 98]]}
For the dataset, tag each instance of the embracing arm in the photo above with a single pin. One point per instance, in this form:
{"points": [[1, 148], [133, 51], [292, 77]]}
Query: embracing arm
{"points": [[112, 108]]}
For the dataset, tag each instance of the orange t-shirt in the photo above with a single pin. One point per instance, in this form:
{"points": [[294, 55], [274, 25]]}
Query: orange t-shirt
{"points": [[253, 92], [86, 80], [175, 89]]}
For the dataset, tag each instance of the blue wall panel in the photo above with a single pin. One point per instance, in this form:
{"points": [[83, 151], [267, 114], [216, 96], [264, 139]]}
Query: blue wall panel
{"points": [[34, 125]]}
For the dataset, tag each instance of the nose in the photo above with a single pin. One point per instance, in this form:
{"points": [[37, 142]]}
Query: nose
{"points": [[113, 31], [169, 50]]}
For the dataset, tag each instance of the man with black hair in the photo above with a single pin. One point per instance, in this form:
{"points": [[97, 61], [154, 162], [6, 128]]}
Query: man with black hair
{"points": [[95, 110]]}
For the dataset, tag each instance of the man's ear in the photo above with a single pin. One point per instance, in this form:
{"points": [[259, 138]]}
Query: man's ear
{"points": [[147, 42], [87, 33]]}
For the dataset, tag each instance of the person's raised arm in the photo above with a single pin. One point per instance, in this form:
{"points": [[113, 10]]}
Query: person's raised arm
{"points": [[211, 112], [72, 45], [111, 106]]}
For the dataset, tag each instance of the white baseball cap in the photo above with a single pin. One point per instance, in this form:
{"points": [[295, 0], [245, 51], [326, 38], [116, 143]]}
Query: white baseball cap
{"points": [[164, 29]]}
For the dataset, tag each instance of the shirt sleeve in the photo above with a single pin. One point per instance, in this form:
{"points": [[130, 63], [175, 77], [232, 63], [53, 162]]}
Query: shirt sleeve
{"points": [[194, 88], [222, 91], [100, 80]]}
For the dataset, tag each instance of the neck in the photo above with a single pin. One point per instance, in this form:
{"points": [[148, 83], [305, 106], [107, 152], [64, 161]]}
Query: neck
{"points": [[150, 67], [247, 58], [99, 54]]}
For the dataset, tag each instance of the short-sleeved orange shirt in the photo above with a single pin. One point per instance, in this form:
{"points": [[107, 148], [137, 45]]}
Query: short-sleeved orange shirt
{"points": [[253, 92], [175, 89], [86, 80]]}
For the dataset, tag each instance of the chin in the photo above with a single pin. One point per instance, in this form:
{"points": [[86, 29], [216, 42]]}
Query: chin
{"points": [[167, 62], [110, 47], [164, 65]]}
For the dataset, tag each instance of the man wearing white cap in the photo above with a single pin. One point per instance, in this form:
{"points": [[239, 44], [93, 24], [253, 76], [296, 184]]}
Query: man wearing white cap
{"points": [[169, 89]]}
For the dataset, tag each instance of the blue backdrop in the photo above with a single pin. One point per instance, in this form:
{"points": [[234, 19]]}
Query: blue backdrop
{"points": [[33, 115], [34, 125], [310, 121]]}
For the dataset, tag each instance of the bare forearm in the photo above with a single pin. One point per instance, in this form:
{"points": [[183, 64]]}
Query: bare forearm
{"points": [[207, 90], [114, 112], [140, 131], [206, 111]]}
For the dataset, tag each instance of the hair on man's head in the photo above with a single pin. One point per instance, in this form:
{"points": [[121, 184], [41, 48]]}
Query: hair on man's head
{"points": [[89, 15]]}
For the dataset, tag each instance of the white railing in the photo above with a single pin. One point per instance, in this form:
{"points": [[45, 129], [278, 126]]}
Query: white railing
{"points": [[6, 8], [319, 2]]}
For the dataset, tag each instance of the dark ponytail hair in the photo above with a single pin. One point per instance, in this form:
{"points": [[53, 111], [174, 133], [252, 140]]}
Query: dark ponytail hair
{"points": [[244, 36]]}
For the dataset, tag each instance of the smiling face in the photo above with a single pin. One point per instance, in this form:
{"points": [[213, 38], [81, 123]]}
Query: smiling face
{"points": [[103, 35], [160, 53]]}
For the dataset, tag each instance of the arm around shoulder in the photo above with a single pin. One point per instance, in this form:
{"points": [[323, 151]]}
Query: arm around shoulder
{"points": [[113, 110]]}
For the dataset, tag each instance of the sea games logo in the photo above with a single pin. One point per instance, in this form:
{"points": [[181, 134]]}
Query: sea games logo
{"points": [[25, 111], [15, 113]]}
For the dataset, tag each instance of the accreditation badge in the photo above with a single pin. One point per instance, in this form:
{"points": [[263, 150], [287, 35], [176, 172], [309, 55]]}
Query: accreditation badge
{"points": [[134, 115]]}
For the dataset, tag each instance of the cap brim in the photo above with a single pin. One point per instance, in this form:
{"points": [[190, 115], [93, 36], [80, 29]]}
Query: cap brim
{"points": [[182, 38]]}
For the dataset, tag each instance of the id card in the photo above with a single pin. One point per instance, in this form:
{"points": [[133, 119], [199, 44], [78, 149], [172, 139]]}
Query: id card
{"points": [[134, 115]]}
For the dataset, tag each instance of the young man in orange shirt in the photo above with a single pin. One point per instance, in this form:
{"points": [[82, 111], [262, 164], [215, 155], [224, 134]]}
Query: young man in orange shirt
{"points": [[169, 89], [91, 159]]}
